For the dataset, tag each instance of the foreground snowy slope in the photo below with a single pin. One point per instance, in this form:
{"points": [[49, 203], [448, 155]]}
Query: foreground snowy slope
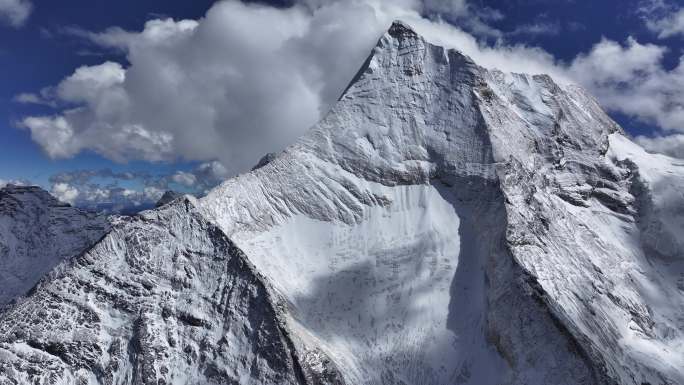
{"points": [[36, 233], [164, 298], [443, 224]]}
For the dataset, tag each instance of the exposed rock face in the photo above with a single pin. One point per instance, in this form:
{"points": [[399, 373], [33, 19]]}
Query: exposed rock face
{"points": [[36, 233], [266, 159], [443, 224], [168, 197]]}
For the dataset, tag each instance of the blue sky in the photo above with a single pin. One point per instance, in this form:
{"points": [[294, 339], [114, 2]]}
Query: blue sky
{"points": [[42, 50], [37, 55], [40, 53]]}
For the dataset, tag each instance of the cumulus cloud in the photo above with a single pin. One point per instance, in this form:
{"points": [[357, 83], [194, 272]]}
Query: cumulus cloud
{"points": [[65, 192], [247, 79], [632, 79], [208, 175], [230, 87], [243, 81], [15, 12]]}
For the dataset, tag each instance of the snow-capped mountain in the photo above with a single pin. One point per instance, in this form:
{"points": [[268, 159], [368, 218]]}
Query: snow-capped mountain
{"points": [[443, 224], [36, 233]]}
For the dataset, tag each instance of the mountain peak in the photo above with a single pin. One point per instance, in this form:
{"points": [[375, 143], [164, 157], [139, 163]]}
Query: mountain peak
{"points": [[20, 189], [167, 198], [401, 29], [23, 193]]}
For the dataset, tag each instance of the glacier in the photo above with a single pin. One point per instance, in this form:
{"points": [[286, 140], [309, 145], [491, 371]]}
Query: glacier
{"points": [[442, 224]]}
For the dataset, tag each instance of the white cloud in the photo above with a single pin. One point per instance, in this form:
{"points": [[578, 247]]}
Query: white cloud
{"points": [[54, 134], [106, 198], [632, 79], [95, 194], [663, 18], [210, 174], [23, 182], [15, 12], [610, 62], [669, 26], [65, 192], [4, 183], [44, 97], [248, 79], [99, 121], [184, 178], [241, 82], [27, 98], [672, 145], [231, 87], [103, 189], [539, 28], [93, 84]]}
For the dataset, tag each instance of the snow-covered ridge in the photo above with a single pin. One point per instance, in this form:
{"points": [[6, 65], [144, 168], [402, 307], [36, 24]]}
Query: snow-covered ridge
{"points": [[36, 233], [443, 224]]}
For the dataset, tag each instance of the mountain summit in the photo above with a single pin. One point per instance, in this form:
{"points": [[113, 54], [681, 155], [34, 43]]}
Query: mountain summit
{"points": [[443, 224]]}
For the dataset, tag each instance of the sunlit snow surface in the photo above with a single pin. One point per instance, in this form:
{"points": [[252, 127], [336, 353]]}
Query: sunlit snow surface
{"points": [[378, 293], [659, 190]]}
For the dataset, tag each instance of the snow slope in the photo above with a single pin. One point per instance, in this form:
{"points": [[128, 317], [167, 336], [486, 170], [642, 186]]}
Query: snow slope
{"points": [[36, 233], [443, 224]]}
